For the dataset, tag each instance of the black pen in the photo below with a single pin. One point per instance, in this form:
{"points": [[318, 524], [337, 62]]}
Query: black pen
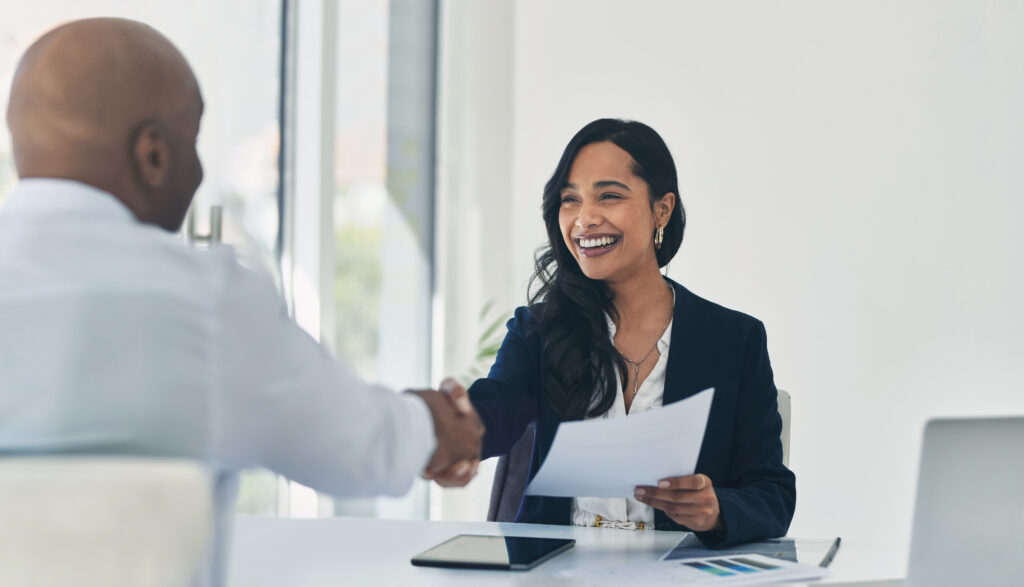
{"points": [[831, 554]]}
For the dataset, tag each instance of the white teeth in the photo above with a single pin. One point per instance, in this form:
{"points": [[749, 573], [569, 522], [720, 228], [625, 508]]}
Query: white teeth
{"points": [[587, 243]]}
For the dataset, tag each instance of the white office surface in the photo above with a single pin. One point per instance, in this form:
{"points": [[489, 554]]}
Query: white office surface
{"points": [[360, 551], [609, 458]]}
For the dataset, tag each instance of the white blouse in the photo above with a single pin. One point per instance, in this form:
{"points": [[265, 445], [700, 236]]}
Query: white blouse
{"points": [[627, 512]]}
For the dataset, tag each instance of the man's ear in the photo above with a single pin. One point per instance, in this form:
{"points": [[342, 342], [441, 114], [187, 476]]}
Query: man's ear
{"points": [[663, 208], [151, 154]]}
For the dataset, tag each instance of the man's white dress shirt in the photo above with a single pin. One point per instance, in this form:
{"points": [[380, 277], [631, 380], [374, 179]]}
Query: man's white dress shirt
{"points": [[117, 338], [627, 512]]}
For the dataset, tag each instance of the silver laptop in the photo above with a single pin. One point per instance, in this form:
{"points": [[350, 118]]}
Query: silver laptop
{"points": [[969, 511]]}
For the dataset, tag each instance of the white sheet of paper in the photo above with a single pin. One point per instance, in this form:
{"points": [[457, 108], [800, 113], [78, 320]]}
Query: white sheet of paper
{"points": [[609, 458], [741, 569]]}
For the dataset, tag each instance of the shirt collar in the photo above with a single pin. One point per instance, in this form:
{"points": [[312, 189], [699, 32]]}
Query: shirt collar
{"points": [[65, 196], [666, 337]]}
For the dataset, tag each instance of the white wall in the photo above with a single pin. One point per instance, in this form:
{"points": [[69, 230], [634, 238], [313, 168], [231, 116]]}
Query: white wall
{"points": [[852, 176]]}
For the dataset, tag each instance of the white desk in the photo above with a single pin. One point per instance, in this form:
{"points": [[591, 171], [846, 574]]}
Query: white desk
{"points": [[357, 551]]}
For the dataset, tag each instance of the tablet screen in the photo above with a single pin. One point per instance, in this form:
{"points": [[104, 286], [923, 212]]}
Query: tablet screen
{"points": [[492, 552]]}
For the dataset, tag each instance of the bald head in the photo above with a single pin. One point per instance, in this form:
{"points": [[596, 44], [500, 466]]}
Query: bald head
{"points": [[113, 104]]}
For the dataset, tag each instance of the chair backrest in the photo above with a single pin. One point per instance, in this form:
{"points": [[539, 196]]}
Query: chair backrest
{"points": [[114, 522], [784, 411], [510, 478], [513, 469]]}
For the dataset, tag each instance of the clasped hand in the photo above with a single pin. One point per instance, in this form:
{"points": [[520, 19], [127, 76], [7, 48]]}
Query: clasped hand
{"points": [[459, 433]]}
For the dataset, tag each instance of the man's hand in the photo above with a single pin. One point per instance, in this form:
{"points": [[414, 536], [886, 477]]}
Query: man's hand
{"points": [[690, 501], [459, 433]]}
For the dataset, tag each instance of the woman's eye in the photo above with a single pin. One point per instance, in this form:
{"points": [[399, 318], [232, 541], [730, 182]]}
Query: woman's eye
{"points": [[611, 196], [567, 199]]}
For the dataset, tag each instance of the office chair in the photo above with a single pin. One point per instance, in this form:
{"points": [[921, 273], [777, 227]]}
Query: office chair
{"points": [[784, 412], [513, 469], [92, 521]]}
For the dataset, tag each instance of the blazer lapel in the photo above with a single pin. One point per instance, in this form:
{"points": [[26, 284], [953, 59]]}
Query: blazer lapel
{"points": [[689, 361]]}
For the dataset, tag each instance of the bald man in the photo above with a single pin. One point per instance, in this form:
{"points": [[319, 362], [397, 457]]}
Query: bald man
{"points": [[116, 338]]}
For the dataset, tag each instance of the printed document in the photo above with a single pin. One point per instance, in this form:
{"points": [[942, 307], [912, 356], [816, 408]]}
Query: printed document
{"points": [[609, 458], [740, 569]]}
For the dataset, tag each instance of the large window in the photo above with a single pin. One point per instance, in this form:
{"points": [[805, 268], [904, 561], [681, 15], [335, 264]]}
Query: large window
{"points": [[364, 124], [384, 199]]}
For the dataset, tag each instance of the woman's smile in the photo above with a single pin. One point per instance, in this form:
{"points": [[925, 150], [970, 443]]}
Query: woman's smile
{"points": [[596, 245]]}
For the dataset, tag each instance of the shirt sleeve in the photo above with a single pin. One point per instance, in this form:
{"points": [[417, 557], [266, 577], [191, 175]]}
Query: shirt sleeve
{"points": [[506, 399], [283, 403], [760, 496]]}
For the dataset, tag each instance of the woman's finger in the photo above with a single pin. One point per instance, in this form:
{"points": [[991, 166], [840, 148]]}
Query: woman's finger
{"points": [[688, 497], [457, 394], [675, 507], [686, 483]]}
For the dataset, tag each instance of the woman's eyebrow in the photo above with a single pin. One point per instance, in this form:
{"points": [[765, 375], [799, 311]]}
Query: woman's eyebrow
{"points": [[600, 184], [610, 183]]}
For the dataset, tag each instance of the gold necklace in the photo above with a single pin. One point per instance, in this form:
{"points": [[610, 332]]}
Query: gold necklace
{"points": [[636, 364]]}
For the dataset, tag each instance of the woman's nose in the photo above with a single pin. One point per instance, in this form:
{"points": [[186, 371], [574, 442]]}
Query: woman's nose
{"points": [[588, 217]]}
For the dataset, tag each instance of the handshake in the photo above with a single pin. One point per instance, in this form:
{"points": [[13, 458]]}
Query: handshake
{"points": [[459, 433]]}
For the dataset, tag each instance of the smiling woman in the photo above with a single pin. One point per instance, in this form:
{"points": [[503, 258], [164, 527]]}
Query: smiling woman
{"points": [[615, 184], [606, 218], [606, 335]]}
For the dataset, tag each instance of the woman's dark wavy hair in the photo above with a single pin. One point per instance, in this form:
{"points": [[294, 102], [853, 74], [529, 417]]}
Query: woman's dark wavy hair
{"points": [[569, 308]]}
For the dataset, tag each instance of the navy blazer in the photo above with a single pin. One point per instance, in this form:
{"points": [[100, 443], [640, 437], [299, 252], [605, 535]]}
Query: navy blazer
{"points": [[711, 346]]}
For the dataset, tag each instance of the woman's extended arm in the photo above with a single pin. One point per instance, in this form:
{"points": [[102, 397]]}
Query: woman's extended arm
{"points": [[506, 400]]}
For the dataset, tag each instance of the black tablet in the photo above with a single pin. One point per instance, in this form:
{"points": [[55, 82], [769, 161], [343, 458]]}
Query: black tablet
{"points": [[471, 551]]}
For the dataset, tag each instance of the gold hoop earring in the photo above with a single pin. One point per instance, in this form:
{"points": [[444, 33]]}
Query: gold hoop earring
{"points": [[659, 237]]}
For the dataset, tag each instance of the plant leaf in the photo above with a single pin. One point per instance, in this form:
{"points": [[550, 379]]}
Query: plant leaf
{"points": [[488, 352], [487, 308], [486, 336]]}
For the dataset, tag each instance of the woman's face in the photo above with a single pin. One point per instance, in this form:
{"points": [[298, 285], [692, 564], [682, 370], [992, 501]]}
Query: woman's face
{"points": [[606, 216]]}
